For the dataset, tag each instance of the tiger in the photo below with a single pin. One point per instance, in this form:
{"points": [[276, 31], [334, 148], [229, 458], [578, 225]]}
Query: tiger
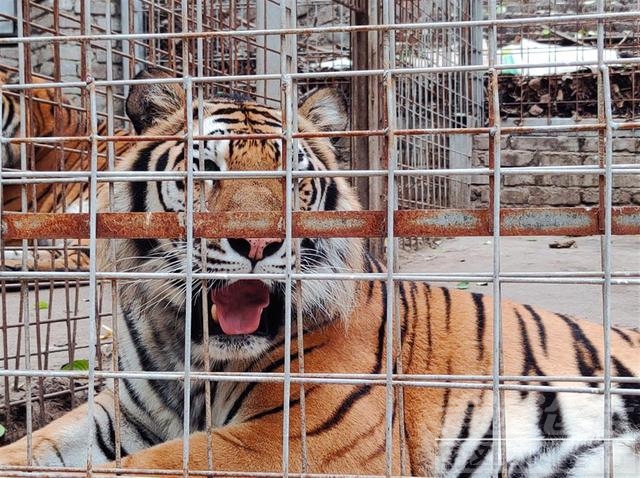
{"points": [[50, 114], [341, 426]]}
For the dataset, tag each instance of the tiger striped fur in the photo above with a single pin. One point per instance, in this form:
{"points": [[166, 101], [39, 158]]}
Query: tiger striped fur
{"points": [[50, 114], [447, 431]]}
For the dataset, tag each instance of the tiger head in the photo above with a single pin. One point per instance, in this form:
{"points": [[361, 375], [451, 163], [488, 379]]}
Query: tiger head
{"points": [[245, 317]]}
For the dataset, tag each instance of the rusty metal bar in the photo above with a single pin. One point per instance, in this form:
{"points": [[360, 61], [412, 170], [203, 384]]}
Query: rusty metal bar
{"points": [[433, 223]]}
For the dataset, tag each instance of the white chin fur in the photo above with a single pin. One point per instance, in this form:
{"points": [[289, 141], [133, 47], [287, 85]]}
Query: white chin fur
{"points": [[233, 349]]}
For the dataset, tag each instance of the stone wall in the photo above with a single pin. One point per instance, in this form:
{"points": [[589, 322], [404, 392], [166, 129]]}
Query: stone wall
{"points": [[556, 149]]}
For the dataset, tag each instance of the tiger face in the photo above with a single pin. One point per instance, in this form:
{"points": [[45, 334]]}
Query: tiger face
{"points": [[245, 317]]}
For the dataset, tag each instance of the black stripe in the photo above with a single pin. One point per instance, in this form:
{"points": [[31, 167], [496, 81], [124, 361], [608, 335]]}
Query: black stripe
{"points": [[143, 432], [347, 448], [360, 391], [568, 463], [318, 153], [112, 431], [230, 121], [480, 322], [144, 158], [550, 420], [274, 124], [270, 368], [10, 112], [586, 353], [542, 333], [411, 317], [148, 364], [370, 284], [246, 109], [331, 196], [227, 110], [631, 402], [427, 293], [405, 306], [530, 363], [314, 190], [161, 166], [617, 424], [447, 303], [106, 450], [138, 190], [132, 392], [58, 453], [272, 411], [623, 335], [322, 188], [445, 398], [55, 448], [463, 434], [479, 454], [377, 267]]}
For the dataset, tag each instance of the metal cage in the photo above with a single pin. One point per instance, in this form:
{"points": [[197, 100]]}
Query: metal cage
{"points": [[433, 103]]}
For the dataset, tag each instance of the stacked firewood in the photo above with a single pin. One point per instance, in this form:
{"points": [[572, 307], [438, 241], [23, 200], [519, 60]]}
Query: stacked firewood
{"points": [[570, 95]]}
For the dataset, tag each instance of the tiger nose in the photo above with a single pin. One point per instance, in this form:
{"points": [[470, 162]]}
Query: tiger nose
{"points": [[255, 249]]}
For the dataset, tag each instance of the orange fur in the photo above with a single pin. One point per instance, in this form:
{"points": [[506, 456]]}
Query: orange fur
{"points": [[355, 445]]}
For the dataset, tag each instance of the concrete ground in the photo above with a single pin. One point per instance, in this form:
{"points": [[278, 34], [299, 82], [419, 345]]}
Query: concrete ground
{"points": [[533, 254]]}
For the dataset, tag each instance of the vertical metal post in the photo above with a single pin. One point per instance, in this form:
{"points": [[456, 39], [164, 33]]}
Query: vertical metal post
{"points": [[23, 49], [498, 420], [375, 111], [288, 64], [110, 151], [93, 203], [268, 16], [388, 62], [605, 157], [189, 192], [360, 94], [200, 59], [93, 283]]}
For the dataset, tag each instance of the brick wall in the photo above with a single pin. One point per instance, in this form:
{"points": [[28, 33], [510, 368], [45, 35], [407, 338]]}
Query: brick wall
{"points": [[557, 149]]}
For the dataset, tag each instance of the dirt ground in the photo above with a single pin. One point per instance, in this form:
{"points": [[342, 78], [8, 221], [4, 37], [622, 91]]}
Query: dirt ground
{"points": [[457, 255]]}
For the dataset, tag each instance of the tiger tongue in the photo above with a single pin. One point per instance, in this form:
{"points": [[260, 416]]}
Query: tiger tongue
{"points": [[239, 306]]}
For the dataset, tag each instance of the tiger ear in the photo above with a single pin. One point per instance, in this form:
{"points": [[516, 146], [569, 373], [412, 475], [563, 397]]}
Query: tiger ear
{"points": [[326, 109], [149, 103]]}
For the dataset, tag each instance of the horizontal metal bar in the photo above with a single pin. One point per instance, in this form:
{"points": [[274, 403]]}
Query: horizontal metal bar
{"points": [[76, 472], [435, 223], [324, 378], [402, 71], [612, 16], [12, 176], [620, 278], [589, 127]]}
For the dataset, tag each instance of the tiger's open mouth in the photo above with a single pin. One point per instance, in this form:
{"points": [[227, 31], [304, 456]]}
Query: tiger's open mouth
{"points": [[239, 306], [245, 307]]}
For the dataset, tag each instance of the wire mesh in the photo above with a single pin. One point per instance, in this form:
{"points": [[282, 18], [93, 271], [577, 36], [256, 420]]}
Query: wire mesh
{"points": [[413, 73]]}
